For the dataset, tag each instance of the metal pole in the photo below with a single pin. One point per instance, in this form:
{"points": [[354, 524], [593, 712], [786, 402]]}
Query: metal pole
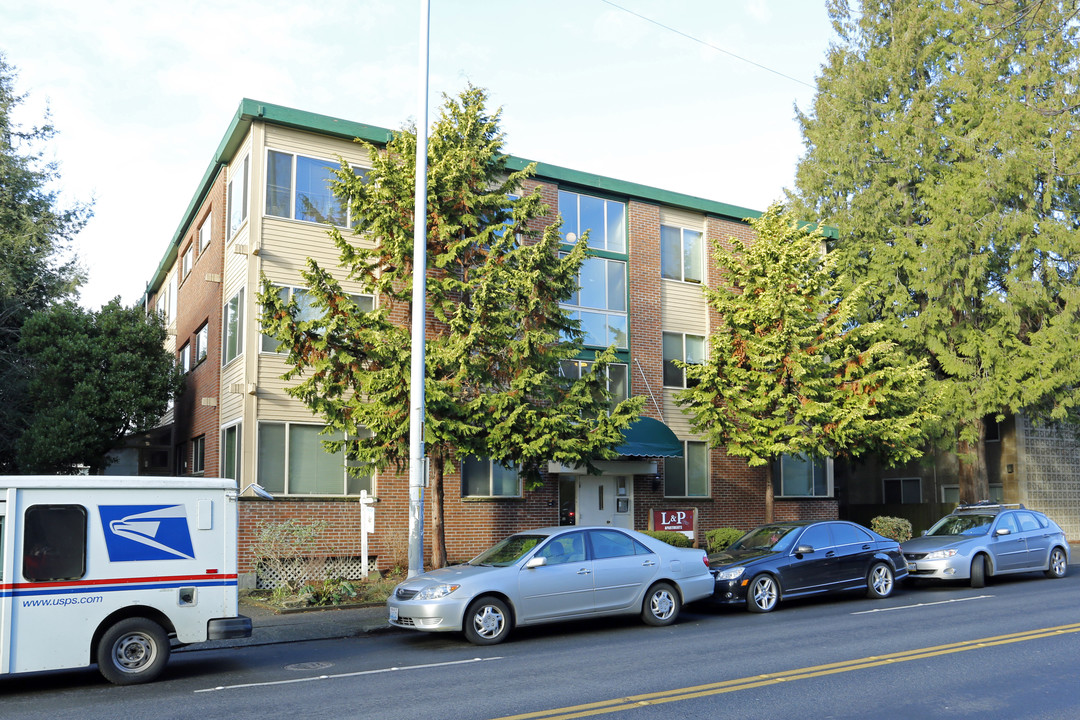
{"points": [[419, 313]]}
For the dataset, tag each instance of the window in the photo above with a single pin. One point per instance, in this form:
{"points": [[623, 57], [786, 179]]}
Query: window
{"points": [[201, 338], [54, 543], [817, 537], [233, 331], [198, 454], [844, 534], [611, 543], [300, 188], [993, 429], [204, 232], [798, 476], [481, 477], [238, 198], [682, 254], [185, 357], [605, 220], [951, 493], [687, 348], [618, 382], [163, 304], [230, 452], [293, 461], [307, 310], [188, 259], [600, 302], [688, 476], [902, 490]]}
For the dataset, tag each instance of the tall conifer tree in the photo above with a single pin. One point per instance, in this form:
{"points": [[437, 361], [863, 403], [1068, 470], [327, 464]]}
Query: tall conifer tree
{"points": [[495, 334], [943, 145]]}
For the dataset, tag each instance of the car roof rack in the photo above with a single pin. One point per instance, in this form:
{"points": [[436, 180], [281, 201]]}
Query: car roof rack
{"points": [[988, 505]]}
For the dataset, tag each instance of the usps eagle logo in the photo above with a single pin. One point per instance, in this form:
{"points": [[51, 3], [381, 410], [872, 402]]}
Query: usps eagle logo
{"points": [[146, 532]]}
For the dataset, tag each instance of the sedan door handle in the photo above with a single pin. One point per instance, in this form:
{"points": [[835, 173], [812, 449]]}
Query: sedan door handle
{"points": [[648, 563], [583, 571], [830, 554]]}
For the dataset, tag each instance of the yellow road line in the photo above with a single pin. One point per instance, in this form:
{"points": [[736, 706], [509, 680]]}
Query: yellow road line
{"points": [[718, 688]]}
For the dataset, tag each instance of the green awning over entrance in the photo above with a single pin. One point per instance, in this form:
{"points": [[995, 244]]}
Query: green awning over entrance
{"points": [[649, 438]]}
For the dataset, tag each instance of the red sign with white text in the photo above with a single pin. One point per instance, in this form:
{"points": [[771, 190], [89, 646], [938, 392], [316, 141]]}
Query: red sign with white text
{"points": [[678, 520]]}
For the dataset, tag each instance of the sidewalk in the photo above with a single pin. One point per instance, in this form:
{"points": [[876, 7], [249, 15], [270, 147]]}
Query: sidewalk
{"points": [[269, 627]]}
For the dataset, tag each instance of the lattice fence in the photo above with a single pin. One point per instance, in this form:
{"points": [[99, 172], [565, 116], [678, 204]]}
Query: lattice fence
{"points": [[269, 576]]}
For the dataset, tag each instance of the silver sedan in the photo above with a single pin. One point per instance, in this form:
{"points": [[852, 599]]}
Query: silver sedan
{"points": [[553, 574]]}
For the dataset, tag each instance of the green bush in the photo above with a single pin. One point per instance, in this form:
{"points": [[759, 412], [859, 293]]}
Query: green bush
{"points": [[671, 537], [719, 538], [898, 529]]}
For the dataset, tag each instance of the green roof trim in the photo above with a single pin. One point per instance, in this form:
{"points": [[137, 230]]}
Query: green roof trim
{"points": [[647, 437], [250, 111]]}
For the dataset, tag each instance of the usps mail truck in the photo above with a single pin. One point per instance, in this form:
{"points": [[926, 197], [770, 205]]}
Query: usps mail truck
{"points": [[114, 571]]}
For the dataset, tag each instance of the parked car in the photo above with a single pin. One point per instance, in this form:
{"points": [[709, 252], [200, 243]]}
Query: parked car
{"points": [[787, 560], [979, 541], [553, 574]]}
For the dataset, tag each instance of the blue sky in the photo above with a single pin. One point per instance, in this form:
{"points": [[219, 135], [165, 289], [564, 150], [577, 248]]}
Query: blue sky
{"points": [[142, 92]]}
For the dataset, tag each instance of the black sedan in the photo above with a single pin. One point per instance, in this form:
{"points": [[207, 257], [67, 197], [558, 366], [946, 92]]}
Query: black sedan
{"points": [[795, 559]]}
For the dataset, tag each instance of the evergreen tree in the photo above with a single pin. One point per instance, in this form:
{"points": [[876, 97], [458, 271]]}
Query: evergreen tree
{"points": [[95, 377], [942, 144], [495, 334], [788, 370], [35, 268]]}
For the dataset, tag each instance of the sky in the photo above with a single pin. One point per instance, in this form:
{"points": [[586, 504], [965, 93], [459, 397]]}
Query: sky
{"points": [[142, 93]]}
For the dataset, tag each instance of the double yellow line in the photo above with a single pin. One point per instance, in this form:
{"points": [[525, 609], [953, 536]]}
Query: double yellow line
{"points": [[635, 701]]}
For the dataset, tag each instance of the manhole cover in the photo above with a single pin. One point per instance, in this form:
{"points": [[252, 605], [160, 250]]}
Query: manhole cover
{"points": [[309, 666]]}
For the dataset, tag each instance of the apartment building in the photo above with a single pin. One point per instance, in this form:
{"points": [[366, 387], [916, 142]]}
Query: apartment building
{"points": [[256, 213]]}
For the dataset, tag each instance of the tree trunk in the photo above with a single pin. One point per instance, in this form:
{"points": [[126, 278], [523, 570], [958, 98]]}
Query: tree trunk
{"points": [[973, 475], [769, 492], [438, 527]]}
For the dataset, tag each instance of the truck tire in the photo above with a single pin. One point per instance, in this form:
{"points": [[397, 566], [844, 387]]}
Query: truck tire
{"points": [[133, 651]]}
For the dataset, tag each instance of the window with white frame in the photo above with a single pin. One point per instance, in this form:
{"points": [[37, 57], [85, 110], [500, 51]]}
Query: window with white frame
{"points": [[202, 337], [187, 261], [799, 476], [204, 232], [600, 303], [307, 311], [481, 477], [605, 220], [163, 304], [688, 476], [233, 328], [907, 491], [951, 493], [293, 461], [618, 380], [198, 454], [301, 188], [687, 348], [185, 357], [682, 254], [230, 452], [238, 197]]}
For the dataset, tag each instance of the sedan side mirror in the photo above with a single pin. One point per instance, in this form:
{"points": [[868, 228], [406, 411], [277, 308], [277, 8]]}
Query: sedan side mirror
{"points": [[804, 549], [536, 562], [1003, 531]]}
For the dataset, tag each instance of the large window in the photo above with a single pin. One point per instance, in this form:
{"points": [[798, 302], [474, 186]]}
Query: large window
{"points": [[307, 310], [600, 303], [618, 381], [187, 261], [293, 461], [902, 490], [202, 339], [198, 455], [300, 188], [204, 232], [481, 477], [688, 476], [605, 220], [682, 254], [54, 543], [233, 322], [184, 359], [238, 197], [687, 348], [230, 452], [798, 476]]}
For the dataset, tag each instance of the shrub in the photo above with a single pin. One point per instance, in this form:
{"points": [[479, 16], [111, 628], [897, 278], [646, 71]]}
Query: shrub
{"points": [[898, 529], [719, 538], [671, 537], [287, 550]]}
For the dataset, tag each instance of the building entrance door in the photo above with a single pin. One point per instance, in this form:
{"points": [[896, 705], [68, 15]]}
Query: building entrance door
{"points": [[605, 500]]}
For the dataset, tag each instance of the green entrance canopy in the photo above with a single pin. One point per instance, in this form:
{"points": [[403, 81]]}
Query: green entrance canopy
{"points": [[649, 438]]}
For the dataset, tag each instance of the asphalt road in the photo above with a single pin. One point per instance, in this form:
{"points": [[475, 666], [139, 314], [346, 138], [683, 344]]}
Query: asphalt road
{"points": [[1010, 650]]}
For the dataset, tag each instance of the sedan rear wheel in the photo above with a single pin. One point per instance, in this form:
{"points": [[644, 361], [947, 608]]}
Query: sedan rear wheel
{"points": [[879, 583], [487, 621], [1058, 564], [762, 594], [661, 606]]}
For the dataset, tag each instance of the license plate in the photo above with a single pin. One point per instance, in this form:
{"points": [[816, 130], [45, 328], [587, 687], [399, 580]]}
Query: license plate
{"points": [[393, 613], [912, 567]]}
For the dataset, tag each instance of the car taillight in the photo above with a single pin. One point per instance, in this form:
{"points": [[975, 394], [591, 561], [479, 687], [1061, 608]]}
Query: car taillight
{"points": [[705, 559]]}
